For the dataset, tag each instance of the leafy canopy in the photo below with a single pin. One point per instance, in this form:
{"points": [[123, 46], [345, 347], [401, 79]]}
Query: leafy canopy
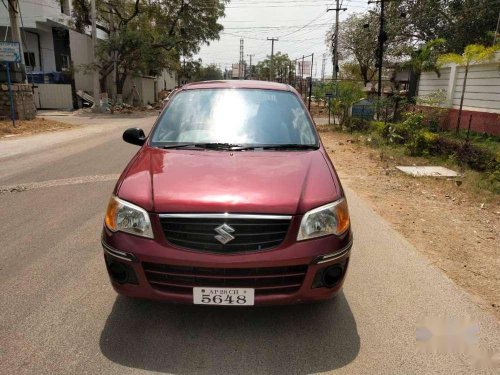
{"points": [[281, 63], [147, 36], [473, 54]]}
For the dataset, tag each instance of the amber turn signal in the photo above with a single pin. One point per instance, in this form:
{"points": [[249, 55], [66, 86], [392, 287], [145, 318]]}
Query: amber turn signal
{"points": [[111, 211]]}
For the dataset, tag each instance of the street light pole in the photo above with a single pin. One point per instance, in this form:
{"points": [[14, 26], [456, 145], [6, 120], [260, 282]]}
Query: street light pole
{"points": [[250, 55], [95, 73]]}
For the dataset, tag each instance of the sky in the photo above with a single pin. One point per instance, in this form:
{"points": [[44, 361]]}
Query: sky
{"points": [[300, 27]]}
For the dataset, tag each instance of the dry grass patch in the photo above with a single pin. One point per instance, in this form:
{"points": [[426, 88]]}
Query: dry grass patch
{"points": [[36, 125]]}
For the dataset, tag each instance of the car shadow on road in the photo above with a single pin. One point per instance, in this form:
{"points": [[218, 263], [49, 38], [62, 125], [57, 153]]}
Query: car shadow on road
{"points": [[199, 339]]}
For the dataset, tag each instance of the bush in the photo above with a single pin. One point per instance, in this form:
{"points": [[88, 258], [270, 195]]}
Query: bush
{"points": [[359, 124], [475, 157], [411, 133], [420, 143], [414, 135]]}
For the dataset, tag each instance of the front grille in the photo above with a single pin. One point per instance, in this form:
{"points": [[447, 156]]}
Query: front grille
{"points": [[265, 280], [249, 234]]}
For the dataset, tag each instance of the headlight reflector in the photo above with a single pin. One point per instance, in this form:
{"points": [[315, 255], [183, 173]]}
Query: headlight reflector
{"points": [[127, 217], [332, 218]]}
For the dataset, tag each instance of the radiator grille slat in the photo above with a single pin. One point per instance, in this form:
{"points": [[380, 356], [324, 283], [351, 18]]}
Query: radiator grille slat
{"points": [[265, 280], [249, 234]]}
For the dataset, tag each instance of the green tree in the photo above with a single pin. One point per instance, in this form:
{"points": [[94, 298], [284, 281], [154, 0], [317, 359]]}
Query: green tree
{"points": [[458, 22], [352, 71], [189, 70], [209, 73], [469, 22], [144, 36], [358, 42], [346, 93], [425, 58], [282, 65], [473, 54]]}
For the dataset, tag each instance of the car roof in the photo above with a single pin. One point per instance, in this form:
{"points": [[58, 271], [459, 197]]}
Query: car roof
{"points": [[237, 84]]}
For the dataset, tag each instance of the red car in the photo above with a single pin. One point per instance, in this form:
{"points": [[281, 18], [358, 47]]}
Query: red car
{"points": [[231, 200]]}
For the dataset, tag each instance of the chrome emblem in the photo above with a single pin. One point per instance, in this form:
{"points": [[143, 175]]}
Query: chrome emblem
{"points": [[224, 235]]}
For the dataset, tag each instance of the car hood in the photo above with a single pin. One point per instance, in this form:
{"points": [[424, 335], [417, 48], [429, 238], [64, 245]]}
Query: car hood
{"points": [[279, 182]]}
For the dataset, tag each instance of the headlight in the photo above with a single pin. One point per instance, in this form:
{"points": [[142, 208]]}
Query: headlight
{"points": [[127, 217], [332, 218]]}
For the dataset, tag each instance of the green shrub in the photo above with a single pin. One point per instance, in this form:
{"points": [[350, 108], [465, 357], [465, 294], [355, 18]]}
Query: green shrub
{"points": [[420, 143], [378, 127], [475, 157], [478, 158], [358, 124], [417, 139]]}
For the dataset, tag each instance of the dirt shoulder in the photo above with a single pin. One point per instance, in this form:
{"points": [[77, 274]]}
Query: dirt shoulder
{"points": [[37, 125], [453, 225]]}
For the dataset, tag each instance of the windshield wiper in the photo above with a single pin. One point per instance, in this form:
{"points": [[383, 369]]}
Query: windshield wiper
{"points": [[213, 146], [239, 147], [179, 145], [223, 146], [290, 146]]}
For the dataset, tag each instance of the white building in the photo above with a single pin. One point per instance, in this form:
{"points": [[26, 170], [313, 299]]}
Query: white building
{"points": [[52, 48]]}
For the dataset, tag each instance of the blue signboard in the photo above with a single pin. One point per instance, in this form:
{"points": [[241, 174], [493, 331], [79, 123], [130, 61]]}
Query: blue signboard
{"points": [[10, 52]]}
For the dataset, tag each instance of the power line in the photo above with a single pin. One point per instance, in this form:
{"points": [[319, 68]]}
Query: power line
{"points": [[275, 27], [304, 26]]}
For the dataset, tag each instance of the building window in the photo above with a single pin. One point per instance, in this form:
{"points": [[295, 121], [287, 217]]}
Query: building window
{"points": [[65, 62], [65, 7], [29, 59]]}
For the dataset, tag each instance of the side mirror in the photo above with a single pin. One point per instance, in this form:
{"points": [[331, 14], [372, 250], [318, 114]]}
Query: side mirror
{"points": [[135, 136]]}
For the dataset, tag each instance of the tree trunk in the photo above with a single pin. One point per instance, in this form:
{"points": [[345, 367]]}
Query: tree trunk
{"points": [[462, 98], [120, 81], [102, 83]]}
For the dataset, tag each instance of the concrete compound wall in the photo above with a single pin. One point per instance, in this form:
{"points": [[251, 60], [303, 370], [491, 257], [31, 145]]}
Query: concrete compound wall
{"points": [[481, 99]]}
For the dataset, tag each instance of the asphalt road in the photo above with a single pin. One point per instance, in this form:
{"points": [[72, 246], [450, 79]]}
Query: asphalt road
{"points": [[59, 315]]}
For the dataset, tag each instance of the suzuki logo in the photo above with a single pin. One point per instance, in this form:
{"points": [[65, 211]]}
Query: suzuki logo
{"points": [[224, 235]]}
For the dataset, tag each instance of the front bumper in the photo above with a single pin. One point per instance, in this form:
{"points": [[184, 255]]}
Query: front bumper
{"points": [[316, 255]]}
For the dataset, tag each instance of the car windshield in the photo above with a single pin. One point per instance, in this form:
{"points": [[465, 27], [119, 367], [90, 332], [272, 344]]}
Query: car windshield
{"points": [[248, 117]]}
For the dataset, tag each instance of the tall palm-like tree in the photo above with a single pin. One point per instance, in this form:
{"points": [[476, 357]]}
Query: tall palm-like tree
{"points": [[425, 58], [473, 54]]}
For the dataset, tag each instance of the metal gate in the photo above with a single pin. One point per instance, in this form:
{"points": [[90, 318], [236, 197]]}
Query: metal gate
{"points": [[53, 96]]}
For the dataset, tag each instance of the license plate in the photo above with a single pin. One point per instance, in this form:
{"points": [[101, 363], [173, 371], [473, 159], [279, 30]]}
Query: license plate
{"points": [[223, 296]]}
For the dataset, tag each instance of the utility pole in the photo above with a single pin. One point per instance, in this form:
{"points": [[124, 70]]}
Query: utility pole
{"points": [[250, 55], [337, 10], [13, 6], [382, 37], [241, 65], [95, 75], [323, 65], [302, 75], [271, 70], [310, 83]]}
